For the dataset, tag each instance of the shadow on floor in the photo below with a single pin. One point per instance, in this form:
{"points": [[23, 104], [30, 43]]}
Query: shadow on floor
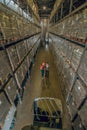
{"points": [[30, 127], [26, 128]]}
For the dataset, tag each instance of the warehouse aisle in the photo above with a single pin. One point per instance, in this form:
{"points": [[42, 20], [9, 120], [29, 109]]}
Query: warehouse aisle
{"points": [[36, 88]]}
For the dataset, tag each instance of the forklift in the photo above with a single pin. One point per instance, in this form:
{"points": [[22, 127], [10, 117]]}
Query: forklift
{"points": [[47, 114]]}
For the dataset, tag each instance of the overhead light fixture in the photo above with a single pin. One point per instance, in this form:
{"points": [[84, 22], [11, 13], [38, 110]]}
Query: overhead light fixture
{"points": [[44, 7]]}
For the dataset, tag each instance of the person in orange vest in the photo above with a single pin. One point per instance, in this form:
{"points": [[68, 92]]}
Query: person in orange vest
{"points": [[42, 68]]}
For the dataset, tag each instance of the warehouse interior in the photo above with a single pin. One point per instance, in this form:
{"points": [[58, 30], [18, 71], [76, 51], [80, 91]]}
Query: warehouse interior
{"points": [[36, 31]]}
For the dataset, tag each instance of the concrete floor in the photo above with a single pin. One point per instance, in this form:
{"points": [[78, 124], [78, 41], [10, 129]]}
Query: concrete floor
{"points": [[35, 88]]}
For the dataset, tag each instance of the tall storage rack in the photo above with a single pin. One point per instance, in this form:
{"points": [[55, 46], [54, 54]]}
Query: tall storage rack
{"points": [[16, 52], [70, 51]]}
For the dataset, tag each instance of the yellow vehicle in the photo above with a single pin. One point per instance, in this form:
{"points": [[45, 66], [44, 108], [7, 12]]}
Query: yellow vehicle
{"points": [[47, 112]]}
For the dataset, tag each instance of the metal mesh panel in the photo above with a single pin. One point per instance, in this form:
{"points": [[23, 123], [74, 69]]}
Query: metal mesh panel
{"points": [[72, 107], [13, 56], [84, 116], [77, 52], [83, 68], [4, 65], [77, 125], [4, 108], [11, 89], [79, 92]]}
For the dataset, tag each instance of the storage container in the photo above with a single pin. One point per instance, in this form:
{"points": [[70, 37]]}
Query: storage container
{"points": [[83, 113], [77, 124], [83, 68], [12, 52], [4, 65], [76, 56], [11, 88], [70, 51], [20, 75], [70, 76], [4, 108], [71, 106], [79, 92]]}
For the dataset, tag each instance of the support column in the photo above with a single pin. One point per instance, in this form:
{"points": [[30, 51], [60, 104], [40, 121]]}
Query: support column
{"points": [[61, 10], [71, 4]]}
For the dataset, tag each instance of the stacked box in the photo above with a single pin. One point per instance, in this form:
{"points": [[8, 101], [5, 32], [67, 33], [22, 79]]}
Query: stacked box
{"points": [[70, 76], [19, 24], [32, 52], [26, 27], [6, 27], [25, 67], [66, 66], [79, 92], [28, 43], [60, 67], [70, 51], [74, 26], [31, 55], [63, 64], [22, 69], [82, 23], [83, 114], [13, 56], [69, 98], [83, 68], [77, 52], [77, 125], [72, 106], [19, 48], [19, 75], [26, 46], [22, 72], [65, 48], [35, 48], [11, 89], [63, 88], [4, 108], [14, 28], [28, 62], [4, 65]]}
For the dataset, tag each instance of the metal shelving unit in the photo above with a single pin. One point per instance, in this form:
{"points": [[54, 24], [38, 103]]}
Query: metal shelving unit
{"points": [[70, 73], [16, 44]]}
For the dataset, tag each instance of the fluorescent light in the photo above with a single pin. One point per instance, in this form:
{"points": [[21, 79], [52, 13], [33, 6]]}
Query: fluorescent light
{"points": [[44, 7]]}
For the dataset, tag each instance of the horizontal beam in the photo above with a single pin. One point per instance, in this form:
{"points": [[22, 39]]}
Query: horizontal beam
{"points": [[71, 13], [68, 39], [10, 76], [7, 45]]}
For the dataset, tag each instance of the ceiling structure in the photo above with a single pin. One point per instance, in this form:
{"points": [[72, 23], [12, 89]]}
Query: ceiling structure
{"points": [[23, 5], [54, 10], [45, 7], [40, 8]]}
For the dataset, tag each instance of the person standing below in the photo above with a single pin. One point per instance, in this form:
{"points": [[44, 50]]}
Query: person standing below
{"points": [[47, 70], [42, 68]]}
